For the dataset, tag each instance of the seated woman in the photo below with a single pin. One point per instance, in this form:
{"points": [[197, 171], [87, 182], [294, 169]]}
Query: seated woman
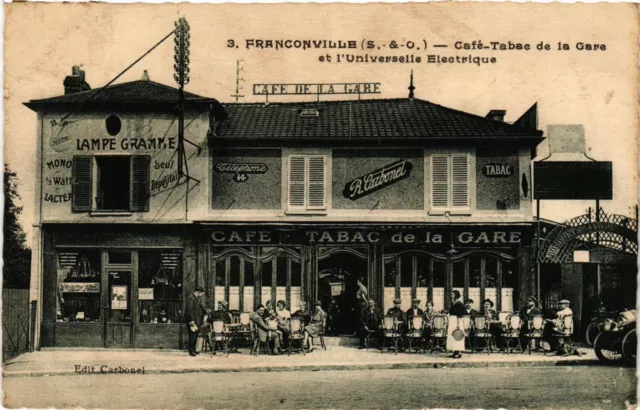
{"points": [[283, 317], [316, 325]]}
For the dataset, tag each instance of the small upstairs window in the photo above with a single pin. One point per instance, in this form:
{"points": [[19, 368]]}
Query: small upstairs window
{"points": [[121, 183], [309, 113]]}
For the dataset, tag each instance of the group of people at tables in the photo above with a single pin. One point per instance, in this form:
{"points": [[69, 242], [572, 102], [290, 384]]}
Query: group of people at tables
{"points": [[371, 321]]}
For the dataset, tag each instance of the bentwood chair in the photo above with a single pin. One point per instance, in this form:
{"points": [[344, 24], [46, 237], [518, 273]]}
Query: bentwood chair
{"points": [[466, 324], [438, 333], [257, 344], [512, 333], [481, 332], [535, 331], [321, 336], [390, 331], [415, 333], [564, 332], [219, 337], [296, 336]]}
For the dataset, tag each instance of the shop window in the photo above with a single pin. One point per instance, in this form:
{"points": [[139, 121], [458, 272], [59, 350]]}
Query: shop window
{"points": [[390, 274], [474, 271], [406, 271], [220, 272], [248, 274], [458, 274], [266, 273], [509, 274], [296, 274], [439, 274], [450, 181], [281, 271], [234, 271], [423, 271], [121, 183], [491, 272], [78, 285], [160, 286], [307, 183]]}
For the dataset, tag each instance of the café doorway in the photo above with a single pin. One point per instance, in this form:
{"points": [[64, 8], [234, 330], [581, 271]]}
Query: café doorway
{"points": [[338, 272]]}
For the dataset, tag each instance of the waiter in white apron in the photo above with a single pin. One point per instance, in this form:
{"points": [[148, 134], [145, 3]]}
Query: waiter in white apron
{"points": [[455, 332]]}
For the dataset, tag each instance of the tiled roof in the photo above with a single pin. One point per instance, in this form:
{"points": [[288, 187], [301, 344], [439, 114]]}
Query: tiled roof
{"points": [[141, 93], [384, 118]]}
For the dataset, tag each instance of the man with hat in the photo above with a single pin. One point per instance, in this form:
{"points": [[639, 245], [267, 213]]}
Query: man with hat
{"points": [[194, 310], [399, 315], [396, 311], [526, 315], [414, 310], [222, 313], [555, 325]]}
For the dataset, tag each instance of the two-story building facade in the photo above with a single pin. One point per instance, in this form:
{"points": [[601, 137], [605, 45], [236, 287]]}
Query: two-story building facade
{"points": [[286, 201]]}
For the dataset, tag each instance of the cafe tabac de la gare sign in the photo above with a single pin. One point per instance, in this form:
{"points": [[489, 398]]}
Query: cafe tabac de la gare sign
{"points": [[460, 236]]}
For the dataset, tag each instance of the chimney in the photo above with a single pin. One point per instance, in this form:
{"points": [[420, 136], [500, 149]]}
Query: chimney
{"points": [[75, 82], [496, 115], [145, 75]]}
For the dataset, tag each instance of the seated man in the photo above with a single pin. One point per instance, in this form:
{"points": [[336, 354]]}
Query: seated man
{"points": [[222, 313], [265, 332], [303, 313], [396, 312], [468, 306], [553, 326], [370, 321]]}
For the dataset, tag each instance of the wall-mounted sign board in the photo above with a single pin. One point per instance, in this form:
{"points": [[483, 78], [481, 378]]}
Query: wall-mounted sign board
{"points": [[572, 180], [316, 89]]}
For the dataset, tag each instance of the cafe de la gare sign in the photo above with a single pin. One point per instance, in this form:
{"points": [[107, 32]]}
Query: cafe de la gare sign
{"points": [[463, 236]]}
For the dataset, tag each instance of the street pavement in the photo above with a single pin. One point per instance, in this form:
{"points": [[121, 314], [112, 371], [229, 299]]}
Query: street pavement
{"points": [[577, 387]]}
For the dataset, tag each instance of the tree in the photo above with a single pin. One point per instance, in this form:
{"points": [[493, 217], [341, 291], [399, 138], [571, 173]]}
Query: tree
{"points": [[16, 271]]}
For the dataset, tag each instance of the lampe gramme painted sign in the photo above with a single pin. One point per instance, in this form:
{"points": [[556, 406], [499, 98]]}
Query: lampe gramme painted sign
{"points": [[316, 89], [462, 236], [378, 179], [240, 171]]}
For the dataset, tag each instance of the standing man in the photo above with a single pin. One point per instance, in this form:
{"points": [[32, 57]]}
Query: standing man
{"points": [[194, 310]]}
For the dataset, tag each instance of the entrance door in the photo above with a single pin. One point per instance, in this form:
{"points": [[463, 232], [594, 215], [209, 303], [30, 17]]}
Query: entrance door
{"points": [[338, 272], [118, 324]]}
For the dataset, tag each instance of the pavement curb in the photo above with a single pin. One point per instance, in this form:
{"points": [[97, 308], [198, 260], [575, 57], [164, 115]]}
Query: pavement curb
{"points": [[333, 367]]}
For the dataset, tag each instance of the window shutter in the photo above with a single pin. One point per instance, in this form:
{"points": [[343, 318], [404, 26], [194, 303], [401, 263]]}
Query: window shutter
{"points": [[296, 181], [439, 181], [140, 169], [81, 189], [316, 182], [459, 181]]}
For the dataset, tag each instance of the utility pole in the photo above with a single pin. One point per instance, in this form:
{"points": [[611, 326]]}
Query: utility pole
{"points": [[181, 76], [239, 68]]}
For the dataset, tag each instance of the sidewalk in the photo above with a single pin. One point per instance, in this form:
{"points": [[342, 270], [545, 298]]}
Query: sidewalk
{"points": [[61, 361]]}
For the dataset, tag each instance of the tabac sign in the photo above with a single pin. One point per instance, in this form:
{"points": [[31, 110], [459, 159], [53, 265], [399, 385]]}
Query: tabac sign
{"points": [[472, 236], [378, 179]]}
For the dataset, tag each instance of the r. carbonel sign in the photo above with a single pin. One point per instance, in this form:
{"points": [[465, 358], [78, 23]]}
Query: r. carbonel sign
{"points": [[378, 179], [316, 89]]}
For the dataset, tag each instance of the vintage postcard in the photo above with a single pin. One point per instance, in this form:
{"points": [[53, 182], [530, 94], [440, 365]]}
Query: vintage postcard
{"points": [[320, 205]]}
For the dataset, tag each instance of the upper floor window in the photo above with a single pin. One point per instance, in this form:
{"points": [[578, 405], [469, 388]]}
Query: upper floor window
{"points": [[307, 183], [120, 183], [450, 180]]}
